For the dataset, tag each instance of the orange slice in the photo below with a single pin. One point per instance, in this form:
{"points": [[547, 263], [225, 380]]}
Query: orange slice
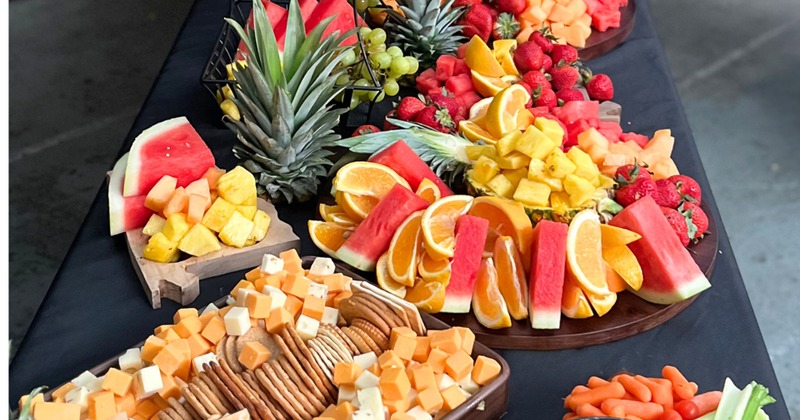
{"points": [[501, 117], [428, 191], [601, 303], [480, 58], [439, 225], [428, 296], [335, 214], [479, 108], [367, 179], [385, 281], [473, 132], [433, 270], [574, 303], [511, 277], [488, 86], [487, 301], [615, 282], [585, 253], [613, 235], [506, 218], [328, 236], [624, 262], [325, 211], [502, 49], [524, 119], [403, 250], [357, 207]]}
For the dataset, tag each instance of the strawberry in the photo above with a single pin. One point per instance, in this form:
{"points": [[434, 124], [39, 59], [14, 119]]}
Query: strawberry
{"points": [[547, 63], [528, 57], [451, 104], [409, 107], [536, 79], [564, 52], [568, 95], [687, 187], [514, 7], [365, 129], [629, 194], [435, 118], [506, 27], [600, 88], [666, 194], [544, 39], [678, 223], [696, 219], [478, 20], [386, 124], [629, 174], [547, 98], [564, 77], [466, 3]]}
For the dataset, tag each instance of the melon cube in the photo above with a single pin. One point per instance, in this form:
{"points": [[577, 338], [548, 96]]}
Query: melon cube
{"points": [[161, 249], [212, 175], [159, 195], [508, 142], [532, 193], [200, 240], [236, 231], [561, 14], [177, 203], [197, 207], [591, 138], [154, 225], [199, 187], [664, 169], [445, 67], [586, 168], [218, 214], [515, 175], [558, 165], [513, 160], [485, 169], [260, 227], [535, 143], [550, 128], [580, 190], [658, 148], [247, 211], [175, 227], [459, 84], [501, 186], [237, 186]]}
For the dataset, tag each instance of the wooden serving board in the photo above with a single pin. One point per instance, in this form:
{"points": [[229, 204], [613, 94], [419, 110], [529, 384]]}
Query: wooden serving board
{"points": [[180, 281], [599, 43]]}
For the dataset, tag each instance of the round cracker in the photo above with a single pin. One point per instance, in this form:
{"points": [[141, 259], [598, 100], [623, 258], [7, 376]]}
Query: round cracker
{"points": [[357, 340], [337, 332], [257, 335], [298, 345], [367, 339], [232, 356], [381, 340], [337, 348], [381, 311], [388, 314], [353, 308]]}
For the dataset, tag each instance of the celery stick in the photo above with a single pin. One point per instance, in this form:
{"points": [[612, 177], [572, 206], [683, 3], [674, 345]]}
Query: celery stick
{"points": [[730, 398]]}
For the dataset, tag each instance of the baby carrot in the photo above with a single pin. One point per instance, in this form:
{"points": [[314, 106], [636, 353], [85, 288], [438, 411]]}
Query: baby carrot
{"points": [[588, 410], [596, 381], [617, 411], [569, 416], [662, 394], [644, 410], [670, 414], [636, 388], [682, 387], [595, 396], [578, 389]]}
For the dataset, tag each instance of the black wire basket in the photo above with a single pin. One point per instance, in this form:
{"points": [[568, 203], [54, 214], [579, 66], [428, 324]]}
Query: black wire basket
{"points": [[215, 73]]}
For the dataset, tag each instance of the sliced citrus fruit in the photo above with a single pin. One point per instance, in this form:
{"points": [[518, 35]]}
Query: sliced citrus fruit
{"points": [[474, 132], [367, 179], [385, 281], [428, 296], [501, 117], [325, 211], [403, 250], [502, 49], [487, 302], [574, 303], [439, 225], [479, 108], [511, 277], [337, 215], [624, 262], [615, 282], [506, 218], [480, 58], [356, 206], [487, 86], [585, 253], [510, 79], [524, 119], [601, 303], [613, 235], [429, 191], [328, 236], [433, 270]]}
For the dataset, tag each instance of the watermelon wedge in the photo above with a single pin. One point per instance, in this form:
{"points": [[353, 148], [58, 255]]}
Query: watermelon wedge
{"points": [[343, 22], [171, 147], [407, 164], [307, 7], [670, 273], [548, 260], [374, 235], [471, 234], [278, 17], [124, 213]]}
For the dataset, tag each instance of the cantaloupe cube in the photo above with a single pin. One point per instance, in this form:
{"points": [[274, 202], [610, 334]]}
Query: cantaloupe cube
{"points": [[575, 35], [664, 169], [658, 148], [547, 6], [633, 145], [534, 16], [620, 148], [196, 208], [212, 175], [199, 187], [562, 14], [177, 203], [161, 193]]}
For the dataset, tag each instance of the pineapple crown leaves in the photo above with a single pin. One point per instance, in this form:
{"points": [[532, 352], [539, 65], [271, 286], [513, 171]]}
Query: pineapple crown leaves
{"points": [[426, 29]]}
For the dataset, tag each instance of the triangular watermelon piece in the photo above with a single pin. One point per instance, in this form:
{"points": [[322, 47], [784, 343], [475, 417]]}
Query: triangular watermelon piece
{"points": [[343, 22], [278, 17], [306, 8], [124, 213]]}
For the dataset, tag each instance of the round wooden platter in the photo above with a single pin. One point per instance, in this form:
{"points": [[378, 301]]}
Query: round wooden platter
{"points": [[599, 43]]}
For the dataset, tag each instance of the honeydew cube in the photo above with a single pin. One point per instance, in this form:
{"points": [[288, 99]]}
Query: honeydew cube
{"points": [[507, 143], [154, 225], [365, 360], [84, 379], [551, 129], [513, 160], [160, 194], [237, 320], [218, 214], [277, 296], [147, 381], [558, 165], [586, 168], [501, 186], [514, 175], [367, 379], [201, 360], [317, 290], [370, 399], [532, 193], [237, 186], [270, 264], [210, 308], [236, 231], [306, 327], [322, 266], [485, 169], [580, 190], [261, 223], [175, 227], [131, 360], [329, 316], [199, 241]]}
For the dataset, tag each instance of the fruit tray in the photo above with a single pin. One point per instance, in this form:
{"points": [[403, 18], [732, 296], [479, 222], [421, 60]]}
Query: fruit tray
{"points": [[600, 43]]}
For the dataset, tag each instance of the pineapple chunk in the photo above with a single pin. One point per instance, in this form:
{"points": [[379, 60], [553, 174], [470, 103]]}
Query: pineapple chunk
{"points": [[558, 165], [261, 223], [555, 184], [247, 211], [176, 227], [485, 169], [513, 160], [237, 186], [474, 152], [154, 225], [532, 193], [515, 175], [236, 231], [507, 143], [550, 128], [605, 182], [251, 201], [161, 249], [536, 169], [200, 240], [586, 168], [535, 144], [218, 214], [501, 186], [559, 201], [580, 190]]}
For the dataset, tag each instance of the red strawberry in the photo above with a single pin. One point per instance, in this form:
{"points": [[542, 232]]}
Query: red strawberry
{"points": [[600, 88], [435, 118], [528, 57], [365, 129], [536, 79], [465, 3], [678, 223], [514, 7], [409, 107], [386, 124], [451, 104], [478, 20], [564, 77], [666, 194], [688, 188], [547, 98], [547, 63], [696, 218], [543, 39], [568, 95], [564, 52], [629, 192], [629, 174], [506, 27]]}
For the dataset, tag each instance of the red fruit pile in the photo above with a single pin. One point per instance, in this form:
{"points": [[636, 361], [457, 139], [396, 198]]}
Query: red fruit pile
{"points": [[452, 74], [577, 116], [440, 111]]}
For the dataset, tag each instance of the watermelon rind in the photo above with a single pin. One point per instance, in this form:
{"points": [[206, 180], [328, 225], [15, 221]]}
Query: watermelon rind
{"points": [[121, 215], [453, 304], [545, 319], [355, 259], [695, 285]]}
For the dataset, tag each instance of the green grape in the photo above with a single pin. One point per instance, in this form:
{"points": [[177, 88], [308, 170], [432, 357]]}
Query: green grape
{"points": [[398, 67], [382, 60], [361, 5], [343, 80], [376, 48], [365, 31], [360, 93], [378, 36], [391, 87], [375, 95], [362, 83], [365, 73], [394, 51], [348, 57], [354, 101], [413, 65]]}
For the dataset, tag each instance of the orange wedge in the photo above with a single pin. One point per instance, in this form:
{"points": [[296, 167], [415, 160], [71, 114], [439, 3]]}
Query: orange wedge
{"points": [[328, 236], [480, 58], [613, 235], [511, 277], [356, 206], [487, 86], [325, 211], [385, 281], [474, 132], [403, 250], [428, 191], [574, 303], [615, 282], [501, 117], [524, 119], [439, 225], [502, 49], [335, 214], [585, 253], [487, 301], [433, 270], [506, 218], [479, 108], [428, 296], [624, 262], [367, 179], [601, 303]]}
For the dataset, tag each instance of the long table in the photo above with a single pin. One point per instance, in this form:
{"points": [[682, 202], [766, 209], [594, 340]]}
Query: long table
{"points": [[96, 308]]}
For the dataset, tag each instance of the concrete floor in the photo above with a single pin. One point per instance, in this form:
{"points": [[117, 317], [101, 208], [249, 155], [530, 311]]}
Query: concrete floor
{"points": [[88, 74]]}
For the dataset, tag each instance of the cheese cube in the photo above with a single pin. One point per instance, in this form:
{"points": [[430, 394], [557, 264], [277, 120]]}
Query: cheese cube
{"points": [[291, 260], [243, 284], [241, 297], [278, 317], [277, 296], [198, 345], [237, 321], [335, 282], [61, 392], [199, 361], [169, 335], [430, 400], [131, 360], [214, 330], [452, 397], [422, 349], [394, 383], [436, 359], [79, 396], [370, 399], [184, 313], [421, 376], [347, 393], [151, 347], [147, 408], [468, 385], [395, 406], [258, 305], [57, 411], [403, 341], [229, 301], [205, 318], [389, 359], [307, 327], [120, 416], [467, 338], [317, 290], [271, 264], [146, 382], [210, 308], [126, 405], [329, 315], [96, 385], [253, 355], [366, 360], [346, 373], [294, 305], [188, 326], [101, 405], [367, 379], [448, 340], [445, 381], [84, 379], [117, 381], [417, 413], [296, 284], [485, 370], [169, 388], [322, 266], [458, 365], [313, 307], [363, 415]]}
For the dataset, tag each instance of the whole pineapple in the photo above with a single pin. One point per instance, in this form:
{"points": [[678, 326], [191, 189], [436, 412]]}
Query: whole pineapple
{"points": [[425, 29], [286, 117]]}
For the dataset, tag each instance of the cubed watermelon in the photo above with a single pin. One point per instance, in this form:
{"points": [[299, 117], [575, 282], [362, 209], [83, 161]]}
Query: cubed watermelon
{"points": [[540, 111], [605, 19], [639, 139], [592, 6], [459, 84], [408, 165], [573, 130], [445, 67], [307, 7], [461, 67], [462, 50], [610, 130], [469, 98], [575, 110], [428, 82]]}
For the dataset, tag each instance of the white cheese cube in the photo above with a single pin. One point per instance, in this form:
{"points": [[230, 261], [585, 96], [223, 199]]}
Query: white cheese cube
{"points": [[237, 321], [362, 415], [306, 327], [346, 393], [271, 264], [131, 360], [84, 379], [230, 301], [419, 414], [467, 384], [370, 399], [366, 360], [277, 295], [241, 296], [147, 382], [97, 384], [120, 416], [367, 379], [446, 382], [210, 308], [318, 290], [330, 315], [199, 361], [322, 266], [464, 393], [80, 396]]}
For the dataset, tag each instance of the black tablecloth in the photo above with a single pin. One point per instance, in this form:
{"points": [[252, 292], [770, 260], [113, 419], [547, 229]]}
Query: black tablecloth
{"points": [[96, 308]]}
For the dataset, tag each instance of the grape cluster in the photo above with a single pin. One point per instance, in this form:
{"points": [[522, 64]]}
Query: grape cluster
{"points": [[362, 5]]}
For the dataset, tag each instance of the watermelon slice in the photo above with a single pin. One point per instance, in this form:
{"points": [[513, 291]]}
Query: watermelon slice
{"points": [[124, 213], [171, 147], [407, 164], [278, 17], [343, 22], [548, 260], [471, 234], [374, 235], [307, 7], [670, 273]]}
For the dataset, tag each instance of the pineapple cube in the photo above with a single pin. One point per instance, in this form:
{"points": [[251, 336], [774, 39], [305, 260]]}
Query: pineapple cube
{"points": [[247, 211], [536, 169], [218, 214], [501, 186], [485, 169], [580, 190], [513, 160], [474, 152], [535, 144], [558, 165], [251, 201], [559, 201], [507, 143], [161, 249], [605, 182], [586, 168], [555, 184], [532, 193], [154, 225], [550, 128], [200, 240], [260, 228], [515, 175], [237, 186], [175, 227], [236, 231]]}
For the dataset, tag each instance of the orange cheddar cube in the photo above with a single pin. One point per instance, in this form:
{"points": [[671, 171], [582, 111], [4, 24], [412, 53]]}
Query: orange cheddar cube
{"points": [[184, 313], [401, 416], [467, 338], [296, 284], [313, 307], [394, 383], [39, 398], [243, 284], [61, 392], [102, 405], [375, 369], [278, 317], [258, 305], [430, 400], [458, 365], [169, 335], [341, 296], [253, 355], [335, 282], [344, 410], [422, 376], [170, 389], [206, 317], [437, 358], [188, 326], [390, 358], [346, 373], [161, 328], [397, 406], [170, 359], [183, 347], [294, 305], [224, 311], [485, 370], [146, 408], [274, 280], [291, 261], [57, 411], [214, 330], [126, 404], [422, 349], [253, 274], [330, 412], [117, 381], [160, 401], [452, 397], [330, 298], [448, 340], [198, 345], [152, 346], [403, 341]]}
